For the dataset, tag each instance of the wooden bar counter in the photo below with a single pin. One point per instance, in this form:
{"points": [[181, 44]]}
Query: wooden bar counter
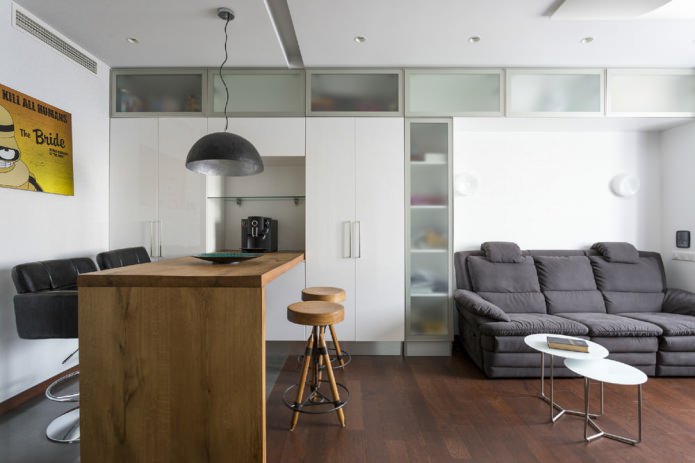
{"points": [[172, 360]]}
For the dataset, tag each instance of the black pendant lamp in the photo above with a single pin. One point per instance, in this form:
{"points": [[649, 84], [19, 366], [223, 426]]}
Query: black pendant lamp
{"points": [[223, 153]]}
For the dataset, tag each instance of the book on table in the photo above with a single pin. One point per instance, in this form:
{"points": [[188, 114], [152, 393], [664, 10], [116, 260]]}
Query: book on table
{"points": [[576, 345]]}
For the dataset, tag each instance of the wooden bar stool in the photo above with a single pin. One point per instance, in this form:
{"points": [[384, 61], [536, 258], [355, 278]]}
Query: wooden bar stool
{"points": [[318, 315], [329, 294]]}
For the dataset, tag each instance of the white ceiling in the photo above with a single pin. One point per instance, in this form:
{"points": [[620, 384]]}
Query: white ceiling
{"points": [[407, 33]]}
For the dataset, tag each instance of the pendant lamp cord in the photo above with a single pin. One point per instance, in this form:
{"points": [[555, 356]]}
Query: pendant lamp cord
{"points": [[226, 89]]}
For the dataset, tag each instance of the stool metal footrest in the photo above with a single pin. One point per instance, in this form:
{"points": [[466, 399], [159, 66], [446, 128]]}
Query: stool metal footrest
{"points": [[63, 398], [65, 429], [316, 399]]}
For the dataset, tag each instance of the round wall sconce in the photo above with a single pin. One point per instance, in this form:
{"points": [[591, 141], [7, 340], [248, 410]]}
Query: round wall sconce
{"points": [[465, 184], [625, 185]]}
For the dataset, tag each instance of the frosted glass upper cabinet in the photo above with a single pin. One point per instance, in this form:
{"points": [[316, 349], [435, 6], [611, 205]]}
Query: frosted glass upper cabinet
{"points": [[354, 92], [453, 92], [158, 92], [651, 92], [555, 92], [257, 93]]}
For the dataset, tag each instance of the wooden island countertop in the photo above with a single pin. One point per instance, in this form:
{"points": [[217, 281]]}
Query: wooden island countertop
{"points": [[172, 360], [190, 272]]}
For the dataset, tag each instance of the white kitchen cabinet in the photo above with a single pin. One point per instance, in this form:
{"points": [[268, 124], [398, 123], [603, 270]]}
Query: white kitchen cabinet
{"points": [[155, 201], [355, 221], [133, 182], [272, 136], [281, 292]]}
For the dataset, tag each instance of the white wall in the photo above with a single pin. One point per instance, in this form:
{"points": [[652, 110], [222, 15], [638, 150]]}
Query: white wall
{"points": [[38, 226], [550, 190], [678, 186]]}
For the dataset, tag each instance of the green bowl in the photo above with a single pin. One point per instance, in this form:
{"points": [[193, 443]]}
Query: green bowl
{"points": [[227, 257]]}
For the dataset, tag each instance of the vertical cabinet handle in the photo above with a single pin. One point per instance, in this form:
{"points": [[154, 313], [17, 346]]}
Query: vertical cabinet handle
{"points": [[356, 240], [347, 240]]}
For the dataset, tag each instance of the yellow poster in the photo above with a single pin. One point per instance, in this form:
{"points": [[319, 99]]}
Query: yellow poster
{"points": [[35, 144]]}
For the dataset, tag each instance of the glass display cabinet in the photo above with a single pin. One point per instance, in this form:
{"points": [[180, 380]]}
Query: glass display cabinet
{"points": [[429, 315]]}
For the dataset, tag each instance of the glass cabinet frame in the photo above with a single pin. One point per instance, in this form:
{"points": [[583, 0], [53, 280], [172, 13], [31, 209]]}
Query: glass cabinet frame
{"points": [[310, 73], [411, 72], [115, 73], [411, 334], [614, 74], [299, 110], [509, 91]]}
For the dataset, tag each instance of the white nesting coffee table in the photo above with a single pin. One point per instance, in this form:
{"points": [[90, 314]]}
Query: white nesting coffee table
{"points": [[539, 342], [608, 371]]}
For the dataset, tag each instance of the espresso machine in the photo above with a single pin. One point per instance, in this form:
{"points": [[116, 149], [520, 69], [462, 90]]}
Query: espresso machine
{"points": [[259, 234]]}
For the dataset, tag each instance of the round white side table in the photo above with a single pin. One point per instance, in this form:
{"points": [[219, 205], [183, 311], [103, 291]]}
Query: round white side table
{"points": [[612, 372], [539, 342]]}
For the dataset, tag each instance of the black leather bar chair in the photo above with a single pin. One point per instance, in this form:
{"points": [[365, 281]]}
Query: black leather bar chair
{"points": [[122, 257], [46, 308]]}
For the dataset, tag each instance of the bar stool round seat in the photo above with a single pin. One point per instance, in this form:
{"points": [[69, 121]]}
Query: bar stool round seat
{"points": [[318, 315], [339, 357], [323, 293], [315, 313]]}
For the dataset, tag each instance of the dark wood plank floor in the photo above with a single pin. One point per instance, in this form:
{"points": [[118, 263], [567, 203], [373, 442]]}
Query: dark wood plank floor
{"points": [[444, 410]]}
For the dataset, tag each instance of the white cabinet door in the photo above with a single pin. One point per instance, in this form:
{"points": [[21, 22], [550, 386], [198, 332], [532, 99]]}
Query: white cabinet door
{"points": [[281, 292], [181, 192], [133, 182], [272, 136], [330, 210], [380, 215]]}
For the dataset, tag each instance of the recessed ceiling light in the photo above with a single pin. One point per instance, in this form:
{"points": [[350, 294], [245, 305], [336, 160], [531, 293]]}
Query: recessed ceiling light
{"points": [[360, 39], [473, 39], [132, 40], [586, 40]]}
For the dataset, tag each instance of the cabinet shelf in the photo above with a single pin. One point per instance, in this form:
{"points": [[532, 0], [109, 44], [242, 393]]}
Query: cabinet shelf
{"points": [[427, 251], [240, 199], [428, 163], [428, 206], [416, 294]]}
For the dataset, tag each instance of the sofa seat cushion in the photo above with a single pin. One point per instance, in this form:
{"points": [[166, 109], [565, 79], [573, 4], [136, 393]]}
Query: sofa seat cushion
{"points": [[603, 324], [513, 344], [677, 343], [672, 324], [628, 343], [523, 324]]}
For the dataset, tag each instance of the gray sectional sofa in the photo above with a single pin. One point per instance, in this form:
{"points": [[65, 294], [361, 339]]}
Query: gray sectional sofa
{"points": [[611, 294]]}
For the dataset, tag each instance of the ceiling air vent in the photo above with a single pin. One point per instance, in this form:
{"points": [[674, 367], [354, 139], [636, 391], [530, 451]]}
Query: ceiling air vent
{"points": [[27, 24]]}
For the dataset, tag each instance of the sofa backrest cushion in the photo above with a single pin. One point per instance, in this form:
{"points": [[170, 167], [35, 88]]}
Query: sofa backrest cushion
{"points": [[568, 284], [50, 274], [631, 287], [513, 287]]}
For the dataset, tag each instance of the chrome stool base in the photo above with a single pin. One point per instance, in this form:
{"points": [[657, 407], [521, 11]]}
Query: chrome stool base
{"points": [[66, 428]]}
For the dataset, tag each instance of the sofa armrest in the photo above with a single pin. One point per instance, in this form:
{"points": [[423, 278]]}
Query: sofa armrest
{"points": [[475, 304], [46, 314], [679, 301]]}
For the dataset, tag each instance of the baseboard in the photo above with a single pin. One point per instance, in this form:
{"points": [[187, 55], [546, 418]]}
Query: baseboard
{"points": [[31, 393], [353, 347]]}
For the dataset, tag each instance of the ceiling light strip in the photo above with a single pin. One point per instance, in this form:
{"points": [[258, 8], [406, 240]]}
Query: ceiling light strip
{"points": [[281, 18]]}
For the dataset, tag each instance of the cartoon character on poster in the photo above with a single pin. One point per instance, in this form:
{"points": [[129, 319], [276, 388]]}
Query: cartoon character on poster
{"points": [[35, 145], [13, 172]]}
